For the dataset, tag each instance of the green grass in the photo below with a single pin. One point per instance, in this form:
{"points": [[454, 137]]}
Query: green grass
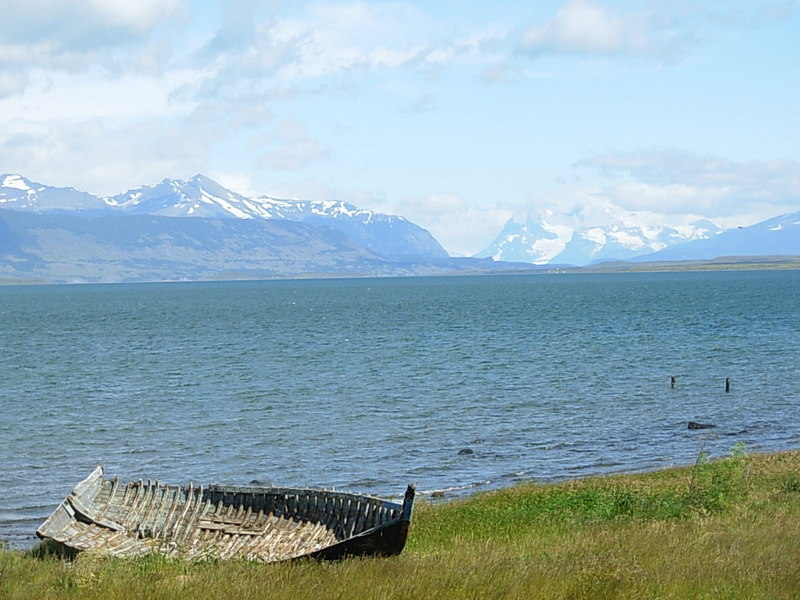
{"points": [[725, 529]]}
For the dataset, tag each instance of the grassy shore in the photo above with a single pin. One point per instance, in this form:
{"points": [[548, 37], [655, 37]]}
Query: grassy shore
{"points": [[725, 529]]}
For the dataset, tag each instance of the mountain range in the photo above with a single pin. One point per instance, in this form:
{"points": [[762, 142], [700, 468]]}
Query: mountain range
{"points": [[60, 234], [778, 236], [202, 197], [540, 242]]}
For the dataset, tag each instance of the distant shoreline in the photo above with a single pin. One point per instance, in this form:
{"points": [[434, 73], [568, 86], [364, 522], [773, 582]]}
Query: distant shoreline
{"points": [[724, 263]]}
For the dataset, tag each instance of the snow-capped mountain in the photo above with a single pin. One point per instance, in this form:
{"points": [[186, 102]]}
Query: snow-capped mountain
{"points": [[197, 197], [541, 242], [19, 193], [387, 235], [620, 242], [531, 242], [201, 196], [778, 236]]}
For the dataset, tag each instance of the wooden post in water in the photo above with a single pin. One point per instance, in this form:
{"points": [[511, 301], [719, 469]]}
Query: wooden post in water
{"points": [[727, 384]]}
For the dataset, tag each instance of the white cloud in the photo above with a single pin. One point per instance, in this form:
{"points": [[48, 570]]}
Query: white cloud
{"points": [[571, 206], [676, 198], [289, 147], [139, 16], [436, 205], [97, 157], [590, 28], [675, 184], [76, 36], [237, 181], [580, 26], [77, 25], [11, 82], [87, 95], [337, 37], [659, 30], [327, 46], [296, 188], [461, 227], [676, 166]]}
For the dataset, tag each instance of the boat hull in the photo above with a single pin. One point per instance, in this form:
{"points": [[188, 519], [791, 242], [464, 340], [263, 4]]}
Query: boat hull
{"points": [[266, 524]]}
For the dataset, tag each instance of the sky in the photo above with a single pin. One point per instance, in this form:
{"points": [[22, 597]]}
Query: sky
{"points": [[458, 115]]}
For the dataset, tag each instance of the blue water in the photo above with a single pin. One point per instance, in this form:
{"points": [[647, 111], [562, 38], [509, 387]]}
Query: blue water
{"points": [[369, 384]]}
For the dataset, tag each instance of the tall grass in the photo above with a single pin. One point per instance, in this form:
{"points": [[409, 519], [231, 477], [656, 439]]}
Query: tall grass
{"points": [[719, 529]]}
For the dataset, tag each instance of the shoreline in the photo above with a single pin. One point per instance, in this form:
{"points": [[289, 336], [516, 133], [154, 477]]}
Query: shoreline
{"points": [[719, 529], [431, 497], [718, 264]]}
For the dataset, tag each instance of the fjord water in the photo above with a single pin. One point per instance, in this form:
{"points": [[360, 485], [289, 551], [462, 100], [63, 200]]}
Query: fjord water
{"points": [[369, 384]]}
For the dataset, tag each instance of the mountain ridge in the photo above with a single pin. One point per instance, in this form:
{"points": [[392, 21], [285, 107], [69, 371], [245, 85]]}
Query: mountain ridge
{"points": [[777, 236], [197, 228], [201, 197], [74, 248], [541, 242]]}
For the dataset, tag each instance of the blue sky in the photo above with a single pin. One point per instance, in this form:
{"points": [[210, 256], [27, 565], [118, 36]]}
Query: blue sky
{"points": [[455, 114]]}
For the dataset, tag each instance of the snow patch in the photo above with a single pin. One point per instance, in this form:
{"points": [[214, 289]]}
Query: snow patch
{"points": [[16, 182], [595, 235], [627, 239], [547, 249]]}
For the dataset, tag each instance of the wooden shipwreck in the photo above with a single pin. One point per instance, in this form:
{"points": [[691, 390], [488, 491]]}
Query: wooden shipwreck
{"points": [[220, 521]]}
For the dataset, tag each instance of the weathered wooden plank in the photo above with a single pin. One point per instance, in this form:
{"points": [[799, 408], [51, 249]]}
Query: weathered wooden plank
{"points": [[150, 516], [163, 525], [333, 518], [375, 519], [201, 507], [86, 513], [141, 506], [193, 498], [114, 487], [361, 519], [132, 496], [183, 497]]}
